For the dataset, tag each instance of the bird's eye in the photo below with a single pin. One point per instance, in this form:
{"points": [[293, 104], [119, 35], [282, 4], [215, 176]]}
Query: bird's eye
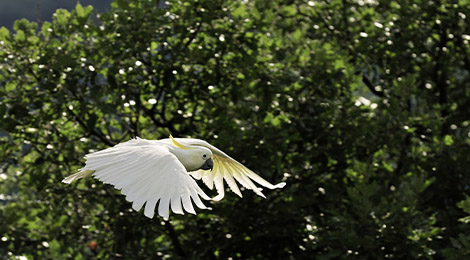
{"points": [[204, 156]]}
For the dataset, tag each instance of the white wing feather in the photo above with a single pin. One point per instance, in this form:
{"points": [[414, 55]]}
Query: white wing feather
{"points": [[147, 173]]}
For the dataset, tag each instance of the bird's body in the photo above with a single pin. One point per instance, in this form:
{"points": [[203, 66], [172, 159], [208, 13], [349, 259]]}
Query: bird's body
{"points": [[151, 171]]}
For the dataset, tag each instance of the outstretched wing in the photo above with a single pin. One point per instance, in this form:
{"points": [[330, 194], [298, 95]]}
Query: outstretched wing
{"points": [[228, 169], [146, 172]]}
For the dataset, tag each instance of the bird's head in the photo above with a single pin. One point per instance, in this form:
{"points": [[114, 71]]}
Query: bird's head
{"points": [[204, 156], [193, 157]]}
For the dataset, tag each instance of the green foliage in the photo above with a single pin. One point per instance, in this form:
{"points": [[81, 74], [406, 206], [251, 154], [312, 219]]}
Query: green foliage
{"points": [[465, 206], [362, 107]]}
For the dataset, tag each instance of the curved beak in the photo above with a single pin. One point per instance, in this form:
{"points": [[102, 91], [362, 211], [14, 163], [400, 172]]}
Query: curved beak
{"points": [[208, 165]]}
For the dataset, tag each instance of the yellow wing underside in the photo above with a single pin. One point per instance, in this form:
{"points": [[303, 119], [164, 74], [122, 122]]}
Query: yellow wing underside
{"points": [[225, 168]]}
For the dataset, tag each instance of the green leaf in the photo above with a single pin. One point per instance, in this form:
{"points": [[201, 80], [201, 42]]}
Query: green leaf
{"points": [[465, 220], [276, 121], [448, 140], [273, 120], [268, 118], [80, 10], [465, 204], [289, 10], [123, 4], [33, 40], [240, 75], [46, 29], [339, 64], [297, 34], [239, 11], [4, 33], [20, 36], [10, 86], [61, 17]]}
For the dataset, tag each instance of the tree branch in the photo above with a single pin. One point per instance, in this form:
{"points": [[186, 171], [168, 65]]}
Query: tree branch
{"points": [[174, 239], [371, 87], [93, 130]]}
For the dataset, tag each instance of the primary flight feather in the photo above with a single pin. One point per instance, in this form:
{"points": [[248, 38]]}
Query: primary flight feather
{"points": [[151, 171]]}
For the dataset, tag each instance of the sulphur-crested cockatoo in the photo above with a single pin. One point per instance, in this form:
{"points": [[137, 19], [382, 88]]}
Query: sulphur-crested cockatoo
{"points": [[148, 171]]}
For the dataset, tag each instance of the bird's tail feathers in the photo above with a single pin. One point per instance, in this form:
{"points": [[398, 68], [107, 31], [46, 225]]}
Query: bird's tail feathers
{"points": [[78, 175]]}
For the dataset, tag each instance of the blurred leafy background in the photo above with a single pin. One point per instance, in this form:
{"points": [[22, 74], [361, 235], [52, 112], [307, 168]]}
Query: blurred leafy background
{"points": [[361, 106], [42, 10]]}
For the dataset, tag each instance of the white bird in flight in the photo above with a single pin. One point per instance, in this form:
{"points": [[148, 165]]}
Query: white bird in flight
{"points": [[148, 171]]}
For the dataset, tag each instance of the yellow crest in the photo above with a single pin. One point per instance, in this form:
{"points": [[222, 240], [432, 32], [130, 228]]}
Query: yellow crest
{"points": [[175, 143]]}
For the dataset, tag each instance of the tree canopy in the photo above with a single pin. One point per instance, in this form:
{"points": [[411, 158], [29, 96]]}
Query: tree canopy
{"points": [[362, 107]]}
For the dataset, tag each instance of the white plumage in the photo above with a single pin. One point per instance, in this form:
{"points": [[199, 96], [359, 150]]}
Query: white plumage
{"points": [[151, 171]]}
